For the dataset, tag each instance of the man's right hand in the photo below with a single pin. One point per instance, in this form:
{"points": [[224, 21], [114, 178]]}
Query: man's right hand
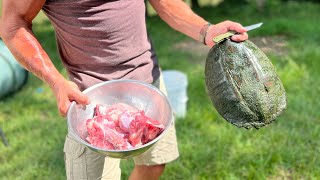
{"points": [[66, 92]]}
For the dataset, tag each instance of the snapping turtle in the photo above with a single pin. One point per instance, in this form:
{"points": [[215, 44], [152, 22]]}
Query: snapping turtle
{"points": [[243, 84]]}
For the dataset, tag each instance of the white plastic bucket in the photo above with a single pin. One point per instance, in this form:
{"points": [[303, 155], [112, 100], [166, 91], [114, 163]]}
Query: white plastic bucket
{"points": [[176, 84]]}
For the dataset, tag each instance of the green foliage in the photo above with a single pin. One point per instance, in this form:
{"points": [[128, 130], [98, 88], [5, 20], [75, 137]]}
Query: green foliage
{"points": [[210, 147]]}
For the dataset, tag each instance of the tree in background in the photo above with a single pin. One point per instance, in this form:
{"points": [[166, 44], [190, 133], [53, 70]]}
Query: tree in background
{"points": [[195, 4]]}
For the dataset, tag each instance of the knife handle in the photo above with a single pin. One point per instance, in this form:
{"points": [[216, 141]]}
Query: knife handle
{"points": [[221, 37]]}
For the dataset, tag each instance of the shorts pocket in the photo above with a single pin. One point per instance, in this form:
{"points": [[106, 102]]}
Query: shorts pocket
{"points": [[73, 147], [75, 159]]}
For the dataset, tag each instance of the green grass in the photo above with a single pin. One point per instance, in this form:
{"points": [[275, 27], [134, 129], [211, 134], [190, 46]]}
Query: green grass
{"points": [[210, 147]]}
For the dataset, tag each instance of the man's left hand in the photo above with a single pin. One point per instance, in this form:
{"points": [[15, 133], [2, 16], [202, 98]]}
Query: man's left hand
{"points": [[223, 27]]}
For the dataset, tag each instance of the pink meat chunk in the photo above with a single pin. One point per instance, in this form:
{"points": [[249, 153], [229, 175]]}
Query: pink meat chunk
{"points": [[121, 127]]}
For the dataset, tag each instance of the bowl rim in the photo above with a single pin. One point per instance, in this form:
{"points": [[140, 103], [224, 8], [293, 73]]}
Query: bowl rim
{"points": [[80, 140]]}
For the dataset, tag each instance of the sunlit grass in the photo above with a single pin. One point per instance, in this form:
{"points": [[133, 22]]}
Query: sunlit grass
{"points": [[210, 147]]}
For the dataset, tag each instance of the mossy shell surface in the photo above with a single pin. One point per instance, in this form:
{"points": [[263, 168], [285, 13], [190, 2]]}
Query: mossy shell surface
{"points": [[243, 84]]}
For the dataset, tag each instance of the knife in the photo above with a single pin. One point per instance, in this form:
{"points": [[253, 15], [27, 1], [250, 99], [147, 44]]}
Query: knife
{"points": [[221, 37]]}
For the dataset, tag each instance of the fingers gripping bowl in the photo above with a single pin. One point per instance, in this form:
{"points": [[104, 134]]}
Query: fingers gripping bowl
{"points": [[131, 92]]}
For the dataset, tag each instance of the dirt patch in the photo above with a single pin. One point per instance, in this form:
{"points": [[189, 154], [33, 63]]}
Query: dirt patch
{"points": [[198, 52], [275, 45], [282, 173]]}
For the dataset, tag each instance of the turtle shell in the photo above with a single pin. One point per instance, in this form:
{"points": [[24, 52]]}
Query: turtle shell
{"points": [[243, 84]]}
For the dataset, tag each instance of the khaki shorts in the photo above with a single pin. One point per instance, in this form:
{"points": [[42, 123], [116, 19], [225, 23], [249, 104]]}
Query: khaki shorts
{"points": [[83, 163]]}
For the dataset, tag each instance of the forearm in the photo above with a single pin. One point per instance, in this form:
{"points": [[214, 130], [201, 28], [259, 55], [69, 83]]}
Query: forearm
{"points": [[15, 29], [29, 53], [179, 16]]}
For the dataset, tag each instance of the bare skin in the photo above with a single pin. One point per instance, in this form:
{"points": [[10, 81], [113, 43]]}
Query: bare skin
{"points": [[141, 172], [16, 31], [180, 17]]}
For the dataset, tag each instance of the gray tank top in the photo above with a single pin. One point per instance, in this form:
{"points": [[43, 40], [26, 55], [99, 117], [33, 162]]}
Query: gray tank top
{"points": [[101, 40]]}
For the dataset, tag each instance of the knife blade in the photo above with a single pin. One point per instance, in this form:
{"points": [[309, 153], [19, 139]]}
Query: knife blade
{"points": [[254, 26], [221, 37]]}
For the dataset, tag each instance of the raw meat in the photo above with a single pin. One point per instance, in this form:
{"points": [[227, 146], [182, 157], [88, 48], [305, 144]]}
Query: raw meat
{"points": [[121, 127]]}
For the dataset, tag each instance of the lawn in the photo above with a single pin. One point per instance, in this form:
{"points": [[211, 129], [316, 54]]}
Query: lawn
{"points": [[210, 147]]}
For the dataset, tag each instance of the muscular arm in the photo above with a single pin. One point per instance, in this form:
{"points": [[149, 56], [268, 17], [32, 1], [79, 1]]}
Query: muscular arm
{"points": [[16, 31], [181, 18]]}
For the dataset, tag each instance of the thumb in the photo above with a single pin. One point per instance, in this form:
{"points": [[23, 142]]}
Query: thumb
{"points": [[79, 97]]}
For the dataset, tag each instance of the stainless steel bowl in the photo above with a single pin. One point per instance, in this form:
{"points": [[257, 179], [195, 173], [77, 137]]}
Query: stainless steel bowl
{"points": [[135, 93]]}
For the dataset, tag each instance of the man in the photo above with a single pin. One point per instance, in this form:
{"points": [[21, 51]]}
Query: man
{"points": [[100, 41]]}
